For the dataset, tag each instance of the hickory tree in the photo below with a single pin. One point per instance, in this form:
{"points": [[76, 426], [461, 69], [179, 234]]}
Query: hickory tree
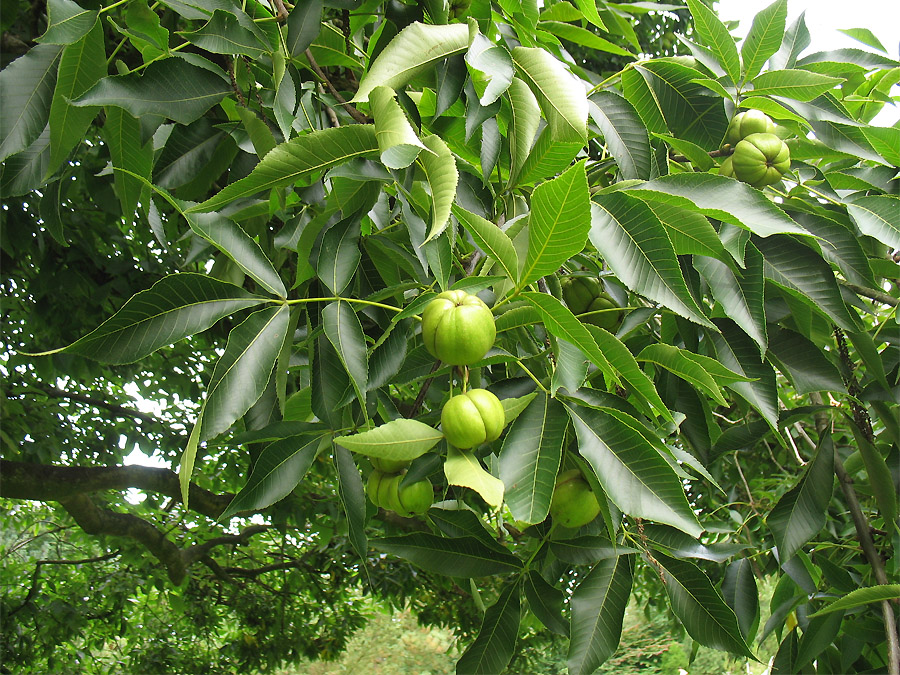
{"points": [[468, 307]]}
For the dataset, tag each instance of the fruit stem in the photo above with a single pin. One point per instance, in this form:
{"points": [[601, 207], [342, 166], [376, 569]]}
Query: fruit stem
{"points": [[531, 375]]}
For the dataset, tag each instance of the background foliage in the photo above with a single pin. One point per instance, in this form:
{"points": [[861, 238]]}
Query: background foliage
{"points": [[238, 211]]}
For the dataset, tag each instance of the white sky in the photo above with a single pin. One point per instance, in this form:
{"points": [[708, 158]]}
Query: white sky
{"points": [[824, 18]]}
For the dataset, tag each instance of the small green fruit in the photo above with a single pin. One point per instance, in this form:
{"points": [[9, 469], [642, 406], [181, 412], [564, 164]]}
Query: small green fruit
{"points": [[608, 320], [373, 485], [761, 159], [388, 465], [416, 498], [726, 169], [749, 122], [387, 492], [579, 293], [473, 418], [458, 328], [573, 503]]}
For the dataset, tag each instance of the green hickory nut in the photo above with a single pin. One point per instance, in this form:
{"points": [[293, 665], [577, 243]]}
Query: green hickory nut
{"points": [[573, 503], [415, 498], [373, 486], [760, 160], [387, 492], [458, 328], [608, 320], [579, 293], [749, 122], [726, 169], [388, 465], [473, 418]]}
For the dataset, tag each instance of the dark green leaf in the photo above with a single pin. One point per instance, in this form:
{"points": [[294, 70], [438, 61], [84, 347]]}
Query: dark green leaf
{"points": [[457, 557], [339, 256], [68, 23], [716, 36], [26, 89], [344, 331], [304, 23], [496, 641], [353, 497], [764, 39], [224, 34], [739, 591], [625, 135]]}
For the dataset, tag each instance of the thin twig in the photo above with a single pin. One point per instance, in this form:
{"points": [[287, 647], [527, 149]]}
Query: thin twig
{"points": [[424, 390], [872, 294], [354, 113]]}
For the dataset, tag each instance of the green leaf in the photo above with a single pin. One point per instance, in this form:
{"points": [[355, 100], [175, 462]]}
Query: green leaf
{"points": [[545, 602], [68, 23], [176, 306], [624, 133], [280, 466], [331, 387], [877, 217], [291, 161], [689, 231], [801, 360], [740, 593], [678, 544], [439, 166], [496, 641], [635, 245], [170, 88], [739, 353], [584, 37], [188, 457], [415, 49], [561, 97], [558, 225], [456, 557], [339, 255], [633, 474], [840, 244], [880, 477], [713, 32], [344, 331], [81, 65], [701, 609], [598, 607], [353, 498], [588, 549], [513, 407], [764, 38], [400, 439], [525, 116], [861, 596], [463, 468], [228, 237], [490, 67], [796, 39], [589, 10], [694, 153], [547, 158], [801, 85], [25, 171], [242, 372], [865, 36], [224, 34], [673, 359], [801, 512], [26, 89], [740, 294], [560, 322], [128, 152], [304, 23], [798, 270], [490, 239], [397, 140], [624, 363], [529, 460], [721, 198]]}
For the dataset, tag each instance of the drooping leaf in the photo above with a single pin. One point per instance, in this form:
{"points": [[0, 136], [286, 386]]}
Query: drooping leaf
{"points": [[526, 116], [530, 458], [800, 513], [558, 225], [439, 166], [764, 39], [716, 36], [561, 97], [304, 23], [397, 140], [242, 372], [228, 237], [673, 359], [339, 255], [700, 608], [463, 468], [453, 557], [415, 49], [877, 217], [598, 607], [624, 134], [634, 244], [493, 648], [171, 88], [278, 469], [131, 154], [490, 239], [331, 386], [861, 596], [740, 593], [300, 156], [545, 602], [176, 306], [26, 89], [353, 498], [633, 474], [344, 331], [225, 34]]}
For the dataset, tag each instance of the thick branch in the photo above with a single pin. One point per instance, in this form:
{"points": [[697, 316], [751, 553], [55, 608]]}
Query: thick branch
{"points": [[200, 550], [44, 482], [872, 294]]}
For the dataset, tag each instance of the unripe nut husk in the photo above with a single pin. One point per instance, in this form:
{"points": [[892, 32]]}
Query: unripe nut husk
{"points": [[573, 503], [761, 159], [473, 418], [458, 328]]}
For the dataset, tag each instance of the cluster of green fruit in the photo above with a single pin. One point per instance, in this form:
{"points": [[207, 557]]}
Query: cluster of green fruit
{"points": [[587, 300], [385, 488], [458, 328], [760, 157]]}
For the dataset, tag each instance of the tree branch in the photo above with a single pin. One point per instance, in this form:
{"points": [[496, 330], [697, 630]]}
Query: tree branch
{"points": [[354, 113], [872, 294], [118, 410], [45, 482]]}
